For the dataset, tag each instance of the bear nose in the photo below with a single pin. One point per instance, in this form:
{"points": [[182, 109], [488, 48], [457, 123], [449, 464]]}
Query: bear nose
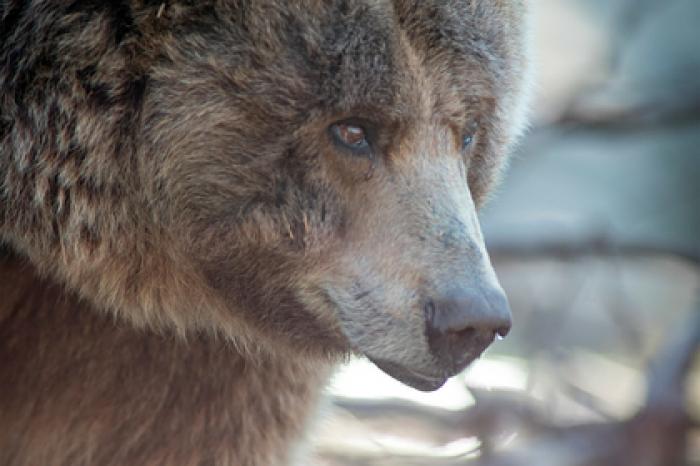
{"points": [[463, 323]]}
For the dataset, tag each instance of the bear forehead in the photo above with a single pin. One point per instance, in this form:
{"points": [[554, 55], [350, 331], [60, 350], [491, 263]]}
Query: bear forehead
{"points": [[349, 54]]}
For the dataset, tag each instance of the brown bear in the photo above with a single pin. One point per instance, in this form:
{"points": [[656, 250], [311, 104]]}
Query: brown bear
{"points": [[205, 205]]}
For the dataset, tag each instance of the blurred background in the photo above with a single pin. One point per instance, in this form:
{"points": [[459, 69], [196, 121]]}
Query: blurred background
{"points": [[595, 235]]}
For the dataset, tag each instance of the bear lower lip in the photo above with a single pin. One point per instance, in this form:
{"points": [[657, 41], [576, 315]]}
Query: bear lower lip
{"points": [[417, 380]]}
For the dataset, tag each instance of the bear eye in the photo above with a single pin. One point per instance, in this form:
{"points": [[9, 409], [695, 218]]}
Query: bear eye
{"points": [[467, 141], [468, 138], [350, 136]]}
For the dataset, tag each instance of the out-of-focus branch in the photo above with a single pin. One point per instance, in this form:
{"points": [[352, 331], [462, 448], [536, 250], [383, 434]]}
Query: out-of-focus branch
{"points": [[494, 411], [668, 370], [594, 245]]}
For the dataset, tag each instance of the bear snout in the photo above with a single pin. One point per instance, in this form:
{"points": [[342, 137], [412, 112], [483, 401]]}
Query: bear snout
{"points": [[460, 325]]}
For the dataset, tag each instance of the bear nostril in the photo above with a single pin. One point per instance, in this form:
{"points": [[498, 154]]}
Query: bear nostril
{"points": [[502, 332]]}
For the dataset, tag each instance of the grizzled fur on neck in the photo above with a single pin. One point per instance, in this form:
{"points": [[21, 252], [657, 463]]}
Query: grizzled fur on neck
{"points": [[169, 163]]}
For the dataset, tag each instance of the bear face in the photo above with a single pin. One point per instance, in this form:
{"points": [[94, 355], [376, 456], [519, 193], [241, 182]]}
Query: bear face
{"points": [[301, 175]]}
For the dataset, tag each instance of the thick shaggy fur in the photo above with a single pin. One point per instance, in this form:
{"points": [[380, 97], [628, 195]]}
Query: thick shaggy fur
{"points": [[187, 252], [79, 388]]}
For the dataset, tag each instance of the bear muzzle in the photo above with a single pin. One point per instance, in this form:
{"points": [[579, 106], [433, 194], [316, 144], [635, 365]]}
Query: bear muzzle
{"points": [[458, 328]]}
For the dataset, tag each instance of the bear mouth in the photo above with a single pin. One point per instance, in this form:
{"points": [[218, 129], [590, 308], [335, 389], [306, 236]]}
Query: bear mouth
{"points": [[415, 379]]}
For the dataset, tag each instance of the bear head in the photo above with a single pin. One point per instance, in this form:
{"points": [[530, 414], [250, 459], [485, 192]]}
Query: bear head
{"points": [[293, 175]]}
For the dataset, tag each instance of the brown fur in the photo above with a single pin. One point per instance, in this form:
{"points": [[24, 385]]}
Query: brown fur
{"points": [[166, 169], [151, 399]]}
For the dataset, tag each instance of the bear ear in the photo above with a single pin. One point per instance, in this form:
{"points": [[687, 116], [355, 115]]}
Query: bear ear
{"points": [[509, 115]]}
